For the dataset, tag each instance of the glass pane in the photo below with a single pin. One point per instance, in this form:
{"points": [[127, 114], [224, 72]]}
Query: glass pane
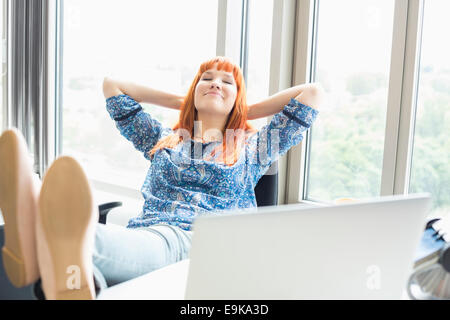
{"points": [[353, 61], [430, 170], [146, 42], [259, 48]]}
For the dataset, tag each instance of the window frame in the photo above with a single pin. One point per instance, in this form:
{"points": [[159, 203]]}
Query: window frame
{"points": [[402, 97]]}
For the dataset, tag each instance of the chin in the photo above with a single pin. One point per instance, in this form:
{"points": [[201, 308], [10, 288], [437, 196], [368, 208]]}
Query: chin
{"points": [[210, 109]]}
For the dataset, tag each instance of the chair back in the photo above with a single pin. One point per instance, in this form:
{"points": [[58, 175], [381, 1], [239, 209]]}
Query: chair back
{"points": [[266, 190]]}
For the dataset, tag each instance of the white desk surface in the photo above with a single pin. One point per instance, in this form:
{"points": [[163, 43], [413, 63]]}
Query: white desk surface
{"points": [[168, 283]]}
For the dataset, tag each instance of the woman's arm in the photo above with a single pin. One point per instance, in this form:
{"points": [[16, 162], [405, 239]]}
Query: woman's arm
{"points": [[285, 130], [310, 94], [141, 93]]}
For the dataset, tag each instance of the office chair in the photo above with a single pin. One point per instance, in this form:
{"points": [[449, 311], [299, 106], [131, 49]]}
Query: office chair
{"points": [[266, 193]]}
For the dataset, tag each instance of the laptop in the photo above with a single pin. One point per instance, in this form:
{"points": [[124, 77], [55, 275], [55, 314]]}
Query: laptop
{"points": [[361, 250]]}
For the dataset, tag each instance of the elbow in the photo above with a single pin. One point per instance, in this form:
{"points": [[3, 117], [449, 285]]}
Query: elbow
{"points": [[110, 88], [317, 94], [106, 81], [317, 89], [312, 95], [106, 86]]}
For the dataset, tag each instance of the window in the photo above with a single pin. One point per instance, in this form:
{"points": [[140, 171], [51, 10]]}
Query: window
{"points": [[146, 42], [430, 169], [258, 62], [352, 63]]}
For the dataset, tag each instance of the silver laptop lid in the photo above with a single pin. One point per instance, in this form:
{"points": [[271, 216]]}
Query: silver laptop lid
{"points": [[358, 250]]}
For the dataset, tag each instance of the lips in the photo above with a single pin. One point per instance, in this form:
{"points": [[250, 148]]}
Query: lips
{"points": [[214, 93]]}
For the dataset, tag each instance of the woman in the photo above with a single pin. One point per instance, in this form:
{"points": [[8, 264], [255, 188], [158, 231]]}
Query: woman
{"points": [[208, 163]]}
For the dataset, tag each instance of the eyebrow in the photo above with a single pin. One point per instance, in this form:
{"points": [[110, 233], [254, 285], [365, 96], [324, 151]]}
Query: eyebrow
{"points": [[225, 74]]}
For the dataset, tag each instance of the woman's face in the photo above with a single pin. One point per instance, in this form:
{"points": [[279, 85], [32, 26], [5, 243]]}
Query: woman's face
{"points": [[216, 92]]}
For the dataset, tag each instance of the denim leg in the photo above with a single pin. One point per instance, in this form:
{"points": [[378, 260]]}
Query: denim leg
{"points": [[121, 254]]}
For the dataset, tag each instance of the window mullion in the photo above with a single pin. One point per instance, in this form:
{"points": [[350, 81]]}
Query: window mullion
{"points": [[409, 96], [303, 62], [401, 97], [51, 36], [229, 26], [281, 73]]}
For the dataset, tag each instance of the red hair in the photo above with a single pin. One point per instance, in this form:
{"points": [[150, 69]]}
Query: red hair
{"points": [[237, 119]]}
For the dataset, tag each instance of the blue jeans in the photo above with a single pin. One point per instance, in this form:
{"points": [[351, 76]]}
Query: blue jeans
{"points": [[121, 253]]}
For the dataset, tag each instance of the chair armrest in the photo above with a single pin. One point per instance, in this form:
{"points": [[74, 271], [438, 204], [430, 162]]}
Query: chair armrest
{"points": [[104, 209]]}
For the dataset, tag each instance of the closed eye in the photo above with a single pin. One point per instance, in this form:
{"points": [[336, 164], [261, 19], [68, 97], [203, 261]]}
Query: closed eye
{"points": [[224, 81]]}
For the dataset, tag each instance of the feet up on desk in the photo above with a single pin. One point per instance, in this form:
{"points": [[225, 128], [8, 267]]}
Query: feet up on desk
{"points": [[65, 232], [19, 189]]}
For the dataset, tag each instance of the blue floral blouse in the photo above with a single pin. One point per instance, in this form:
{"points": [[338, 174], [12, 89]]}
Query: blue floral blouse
{"points": [[180, 185]]}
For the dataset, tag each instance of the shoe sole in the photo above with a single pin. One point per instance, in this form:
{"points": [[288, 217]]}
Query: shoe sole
{"points": [[18, 202], [66, 232]]}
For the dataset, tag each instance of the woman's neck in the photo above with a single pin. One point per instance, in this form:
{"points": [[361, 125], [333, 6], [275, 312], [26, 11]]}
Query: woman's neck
{"points": [[208, 128]]}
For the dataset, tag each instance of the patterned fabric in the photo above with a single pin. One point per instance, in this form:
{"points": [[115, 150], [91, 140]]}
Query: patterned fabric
{"points": [[179, 185]]}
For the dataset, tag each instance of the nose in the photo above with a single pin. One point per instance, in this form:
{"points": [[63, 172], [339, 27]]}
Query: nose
{"points": [[214, 84]]}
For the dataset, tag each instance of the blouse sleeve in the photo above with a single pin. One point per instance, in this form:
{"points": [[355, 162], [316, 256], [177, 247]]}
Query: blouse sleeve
{"points": [[134, 124], [284, 131]]}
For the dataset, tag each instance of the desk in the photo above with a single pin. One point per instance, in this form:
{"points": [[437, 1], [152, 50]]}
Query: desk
{"points": [[168, 283]]}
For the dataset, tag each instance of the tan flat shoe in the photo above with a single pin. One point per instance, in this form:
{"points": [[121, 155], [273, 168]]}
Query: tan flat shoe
{"points": [[19, 189], [65, 232]]}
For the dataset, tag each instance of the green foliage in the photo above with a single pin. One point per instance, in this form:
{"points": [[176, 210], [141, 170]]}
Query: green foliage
{"points": [[365, 83], [348, 141], [441, 84], [431, 154]]}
